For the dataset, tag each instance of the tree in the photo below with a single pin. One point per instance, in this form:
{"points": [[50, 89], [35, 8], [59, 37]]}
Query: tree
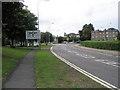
{"points": [[60, 39], [118, 36], [16, 21], [65, 38], [86, 31], [46, 37], [9, 19], [28, 21]]}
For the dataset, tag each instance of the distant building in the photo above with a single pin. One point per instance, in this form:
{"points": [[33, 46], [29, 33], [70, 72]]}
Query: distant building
{"points": [[72, 37], [110, 34]]}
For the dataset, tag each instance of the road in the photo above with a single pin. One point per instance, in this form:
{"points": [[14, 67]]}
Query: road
{"points": [[103, 65]]}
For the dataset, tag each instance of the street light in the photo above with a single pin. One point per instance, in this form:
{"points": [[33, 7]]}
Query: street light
{"points": [[49, 30], [39, 21], [39, 40]]}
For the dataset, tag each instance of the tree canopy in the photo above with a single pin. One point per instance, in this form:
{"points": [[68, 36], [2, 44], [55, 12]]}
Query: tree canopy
{"points": [[16, 21], [85, 34], [46, 37]]}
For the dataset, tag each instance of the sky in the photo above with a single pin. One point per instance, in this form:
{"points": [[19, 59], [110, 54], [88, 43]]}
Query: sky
{"points": [[69, 16]]}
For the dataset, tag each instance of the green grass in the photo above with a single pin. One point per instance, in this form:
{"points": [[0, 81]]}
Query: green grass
{"points": [[50, 72], [26, 47], [108, 45], [45, 46], [0, 65], [10, 58]]}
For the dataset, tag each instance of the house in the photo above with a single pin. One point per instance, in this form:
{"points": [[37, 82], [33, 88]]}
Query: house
{"points": [[109, 34], [72, 37]]}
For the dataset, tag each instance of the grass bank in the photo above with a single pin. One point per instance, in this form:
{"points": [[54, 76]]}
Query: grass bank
{"points": [[50, 72], [10, 58], [107, 45], [46, 46]]}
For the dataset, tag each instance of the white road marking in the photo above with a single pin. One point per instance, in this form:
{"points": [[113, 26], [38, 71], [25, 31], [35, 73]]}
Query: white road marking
{"points": [[102, 82], [82, 55], [117, 56], [105, 54], [77, 54], [70, 51], [108, 62], [85, 55]]}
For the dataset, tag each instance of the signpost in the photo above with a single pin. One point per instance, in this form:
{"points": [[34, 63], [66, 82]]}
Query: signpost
{"points": [[33, 34]]}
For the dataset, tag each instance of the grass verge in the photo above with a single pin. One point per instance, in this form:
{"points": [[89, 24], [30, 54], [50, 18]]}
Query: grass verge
{"points": [[10, 58], [46, 46], [50, 72]]}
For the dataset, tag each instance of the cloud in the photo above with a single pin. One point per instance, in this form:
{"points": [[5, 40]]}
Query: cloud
{"points": [[70, 15]]}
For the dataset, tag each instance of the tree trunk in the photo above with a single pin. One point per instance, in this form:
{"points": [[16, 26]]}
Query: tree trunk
{"points": [[12, 44]]}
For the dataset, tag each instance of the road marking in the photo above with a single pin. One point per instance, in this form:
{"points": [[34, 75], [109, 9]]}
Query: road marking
{"points": [[117, 56], [102, 82], [105, 54], [108, 62], [82, 55], [85, 55], [70, 51], [100, 52]]}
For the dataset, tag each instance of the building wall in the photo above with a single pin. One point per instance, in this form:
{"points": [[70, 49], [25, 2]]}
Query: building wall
{"points": [[104, 35]]}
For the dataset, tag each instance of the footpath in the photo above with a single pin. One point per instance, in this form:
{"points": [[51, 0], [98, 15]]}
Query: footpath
{"points": [[23, 75]]}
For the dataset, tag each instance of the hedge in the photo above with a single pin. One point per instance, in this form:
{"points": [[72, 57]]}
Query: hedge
{"points": [[108, 45]]}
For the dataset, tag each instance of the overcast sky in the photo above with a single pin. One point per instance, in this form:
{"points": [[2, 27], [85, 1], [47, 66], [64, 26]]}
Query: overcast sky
{"points": [[59, 16]]}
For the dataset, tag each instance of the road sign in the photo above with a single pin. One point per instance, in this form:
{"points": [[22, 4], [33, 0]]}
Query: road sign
{"points": [[34, 34]]}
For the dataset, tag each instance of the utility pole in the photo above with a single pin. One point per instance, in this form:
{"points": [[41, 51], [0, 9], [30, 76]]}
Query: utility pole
{"points": [[38, 20], [105, 35], [39, 40]]}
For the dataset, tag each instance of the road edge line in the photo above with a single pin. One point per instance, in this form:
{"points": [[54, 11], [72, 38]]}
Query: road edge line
{"points": [[95, 78]]}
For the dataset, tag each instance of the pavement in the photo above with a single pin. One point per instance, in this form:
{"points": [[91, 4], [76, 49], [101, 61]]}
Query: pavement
{"points": [[23, 75], [103, 64]]}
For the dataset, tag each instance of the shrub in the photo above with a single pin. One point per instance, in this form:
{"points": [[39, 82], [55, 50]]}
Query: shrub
{"points": [[109, 45]]}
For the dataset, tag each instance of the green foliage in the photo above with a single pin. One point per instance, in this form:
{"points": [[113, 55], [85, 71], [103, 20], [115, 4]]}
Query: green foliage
{"points": [[118, 37], [65, 38], [46, 37], [85, 34], [60, 39], [50, 72], [10, 58], [16, 21], [46, 46], [109, 45]]}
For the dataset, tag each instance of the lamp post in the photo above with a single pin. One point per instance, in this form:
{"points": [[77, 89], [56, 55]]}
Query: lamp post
{"points": [[49, 30], [38, 20], [39, 40]]}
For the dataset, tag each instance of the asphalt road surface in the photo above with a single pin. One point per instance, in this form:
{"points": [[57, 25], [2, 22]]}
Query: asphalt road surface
{"points": [[103, 65]]}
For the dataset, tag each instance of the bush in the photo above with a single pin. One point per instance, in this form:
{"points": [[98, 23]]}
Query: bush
{"points": [[109, 45]]}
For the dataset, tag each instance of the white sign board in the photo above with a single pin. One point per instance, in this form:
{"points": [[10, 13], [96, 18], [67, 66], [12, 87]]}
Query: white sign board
{"points": [[34, 34]]}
